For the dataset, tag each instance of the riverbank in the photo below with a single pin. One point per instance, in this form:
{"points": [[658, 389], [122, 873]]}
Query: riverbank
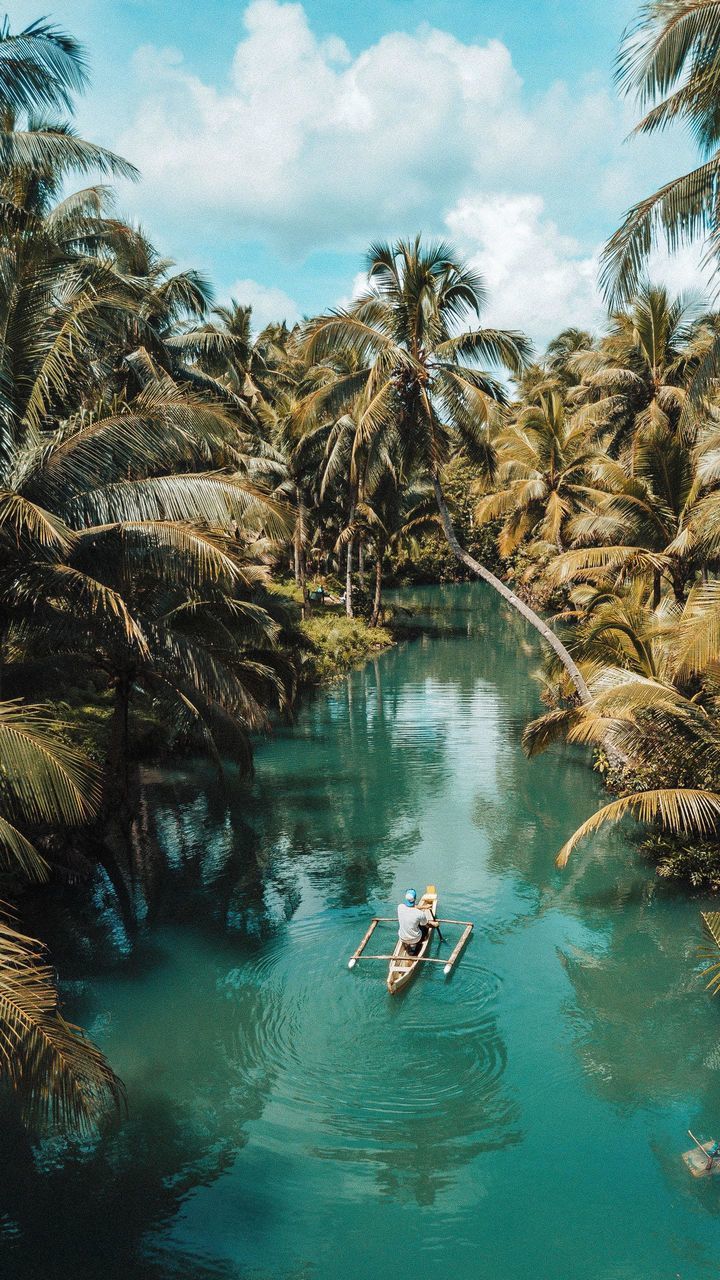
{"points": [[319, 649], [339, 644]]}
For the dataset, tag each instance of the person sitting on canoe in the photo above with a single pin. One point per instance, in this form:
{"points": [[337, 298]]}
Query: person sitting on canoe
{"points": [[414, 923]]}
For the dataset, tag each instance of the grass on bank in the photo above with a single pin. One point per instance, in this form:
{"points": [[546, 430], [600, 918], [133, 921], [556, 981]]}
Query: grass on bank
{"points": [[340, 643]]}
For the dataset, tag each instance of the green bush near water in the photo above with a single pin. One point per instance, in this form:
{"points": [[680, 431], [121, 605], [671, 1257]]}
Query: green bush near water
{"points": [[339, 644]]}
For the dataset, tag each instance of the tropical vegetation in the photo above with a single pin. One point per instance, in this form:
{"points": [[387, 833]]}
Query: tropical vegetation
{"points": [[196, 518]]}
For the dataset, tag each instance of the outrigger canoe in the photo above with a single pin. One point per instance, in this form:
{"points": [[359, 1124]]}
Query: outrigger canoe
{"points": [[403, 964]]}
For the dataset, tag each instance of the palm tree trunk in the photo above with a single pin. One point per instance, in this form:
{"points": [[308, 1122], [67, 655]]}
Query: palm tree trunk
{"points": [[361, 563], [348, 569], [348, 581], [116, 817], [679, 585], [529, 614], [299, 547], [375, 618], [116, 769]]}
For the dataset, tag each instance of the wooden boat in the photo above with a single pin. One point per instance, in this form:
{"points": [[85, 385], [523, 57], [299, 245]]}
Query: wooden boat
{"points": [[403, 965], [702, 1159]]}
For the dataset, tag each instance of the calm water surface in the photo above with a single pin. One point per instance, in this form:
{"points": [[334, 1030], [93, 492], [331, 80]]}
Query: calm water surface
{"points": [[287, 1117]]}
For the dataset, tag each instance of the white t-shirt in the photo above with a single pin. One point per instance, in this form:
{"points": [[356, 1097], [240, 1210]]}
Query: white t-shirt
{"points": [[410, 919]]}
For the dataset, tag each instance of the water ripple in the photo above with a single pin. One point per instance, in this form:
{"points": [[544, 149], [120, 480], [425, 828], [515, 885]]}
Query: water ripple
{"points": [[351, 1063]]}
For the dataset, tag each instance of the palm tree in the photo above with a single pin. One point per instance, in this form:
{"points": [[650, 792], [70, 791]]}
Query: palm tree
{"points": [[59, 1077], [542, 477], [396, 516], [40, 66], [652, 704], [97, 484], [417, 377], [636, 377], [670, 60], [561, 350]]}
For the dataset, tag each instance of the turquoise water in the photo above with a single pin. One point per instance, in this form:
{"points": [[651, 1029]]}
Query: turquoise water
{"points": [[287, 1117]]}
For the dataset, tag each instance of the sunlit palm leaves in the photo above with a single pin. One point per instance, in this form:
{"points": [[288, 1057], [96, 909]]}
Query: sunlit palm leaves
{"points": [[711, 924], [677, 810], [670, 61], [544, 462], [41, 779], [59, 1077]]}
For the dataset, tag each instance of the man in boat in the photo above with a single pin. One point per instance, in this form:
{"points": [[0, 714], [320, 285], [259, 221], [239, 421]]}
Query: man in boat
{"points": [[414, 923]]}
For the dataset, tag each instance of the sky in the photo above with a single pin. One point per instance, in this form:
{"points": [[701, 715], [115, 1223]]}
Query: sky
{"points": [[276, 141]]}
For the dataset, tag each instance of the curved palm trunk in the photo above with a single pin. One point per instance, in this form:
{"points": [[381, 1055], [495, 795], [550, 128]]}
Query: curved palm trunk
{"points": [[529, 614], [377, 600]]}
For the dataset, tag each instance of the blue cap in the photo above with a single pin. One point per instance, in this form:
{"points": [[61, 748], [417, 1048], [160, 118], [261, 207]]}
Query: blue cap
{"points": [[410, 896]]}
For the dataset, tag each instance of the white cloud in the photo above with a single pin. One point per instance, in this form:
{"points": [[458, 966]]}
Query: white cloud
{"points": [[268, 304], [359, 286], [538, 279], [684, 272], [310, 146]]}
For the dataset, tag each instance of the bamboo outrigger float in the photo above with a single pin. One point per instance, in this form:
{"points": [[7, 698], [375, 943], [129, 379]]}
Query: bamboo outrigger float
{"points": [[401, 964]]}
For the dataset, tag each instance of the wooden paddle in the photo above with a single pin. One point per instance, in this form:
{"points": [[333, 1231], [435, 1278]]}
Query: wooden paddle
{"points": [[437, 926]]}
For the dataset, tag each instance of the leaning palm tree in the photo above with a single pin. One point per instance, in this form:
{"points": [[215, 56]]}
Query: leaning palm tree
{"points": [[417, 377], [59, 1077]]}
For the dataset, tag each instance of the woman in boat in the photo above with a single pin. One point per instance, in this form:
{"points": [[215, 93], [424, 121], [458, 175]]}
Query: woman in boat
{"points": [[414, 923]]}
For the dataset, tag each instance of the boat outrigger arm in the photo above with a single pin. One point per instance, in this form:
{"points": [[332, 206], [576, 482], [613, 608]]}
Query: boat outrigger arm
{"points": [[448, 964]]}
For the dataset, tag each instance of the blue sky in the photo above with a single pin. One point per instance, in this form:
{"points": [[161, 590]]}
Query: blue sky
{"points": [[276, 140]]}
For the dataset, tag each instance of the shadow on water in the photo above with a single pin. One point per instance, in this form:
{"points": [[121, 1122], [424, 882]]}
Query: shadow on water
{"points": [[92, 1208]]}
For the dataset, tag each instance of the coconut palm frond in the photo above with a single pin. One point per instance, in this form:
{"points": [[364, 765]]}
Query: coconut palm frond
{"points": [[711, 925], [552, 727], [43, 779], [677, 809], [17, 853], [58, 1075], [697, 639]]}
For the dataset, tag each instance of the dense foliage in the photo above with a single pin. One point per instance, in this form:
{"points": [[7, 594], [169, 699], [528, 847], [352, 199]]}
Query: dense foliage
{"points": [[196, 518]]}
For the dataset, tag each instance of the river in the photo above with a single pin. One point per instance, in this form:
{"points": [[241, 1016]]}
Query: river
{"points": [[287, 1118]]}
